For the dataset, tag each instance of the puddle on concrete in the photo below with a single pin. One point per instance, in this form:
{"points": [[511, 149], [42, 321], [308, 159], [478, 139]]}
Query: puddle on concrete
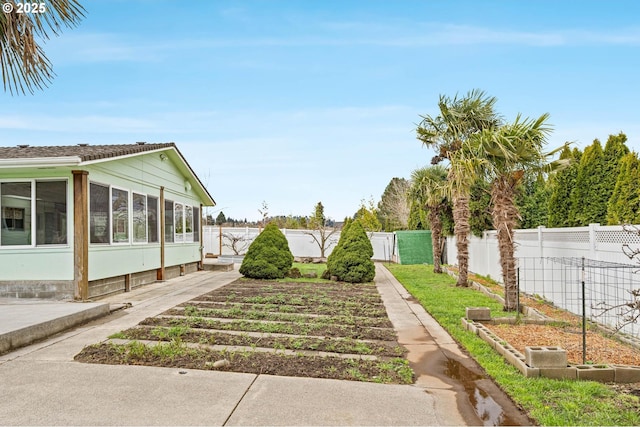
{"points": [[487, 409]]}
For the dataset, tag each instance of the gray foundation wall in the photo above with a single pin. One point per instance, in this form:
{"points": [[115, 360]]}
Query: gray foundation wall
{"points": [[64, 290], [55, 290]]}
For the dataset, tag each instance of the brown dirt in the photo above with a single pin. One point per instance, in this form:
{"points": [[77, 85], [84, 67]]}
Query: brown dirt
{"points": [[567, 333], [600, 349], [322, 330]]}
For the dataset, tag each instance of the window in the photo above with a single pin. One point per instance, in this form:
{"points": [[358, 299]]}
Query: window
{"points": [[15, 200], [168, 221], [196, 224], [152, 219], [178, 219], [139, 206], [188, 223], [98, 213], [14, 218], [120, 210], [51, 212]]}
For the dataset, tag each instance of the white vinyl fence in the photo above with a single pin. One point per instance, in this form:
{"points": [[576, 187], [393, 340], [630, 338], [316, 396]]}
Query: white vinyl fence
{"points": [[300, 242], [596, 242]]}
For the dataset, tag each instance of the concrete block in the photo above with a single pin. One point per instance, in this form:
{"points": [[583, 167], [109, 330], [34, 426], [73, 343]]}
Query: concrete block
{"points": [[527, 371], [601, 373], [218, 266], [515, 358], [478, 313], [627, 374], [567, 373], [487, 335], [546, 357], [470, 326]]}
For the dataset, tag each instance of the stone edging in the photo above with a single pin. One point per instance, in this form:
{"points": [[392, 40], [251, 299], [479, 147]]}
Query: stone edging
{"points": [[602, 373]]}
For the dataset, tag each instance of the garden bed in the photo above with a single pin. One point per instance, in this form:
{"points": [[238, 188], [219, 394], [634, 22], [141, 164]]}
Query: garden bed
{"points": [[324, 330]]}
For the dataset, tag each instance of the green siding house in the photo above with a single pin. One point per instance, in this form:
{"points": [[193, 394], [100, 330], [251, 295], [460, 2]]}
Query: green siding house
{"points": [[90, 220]]}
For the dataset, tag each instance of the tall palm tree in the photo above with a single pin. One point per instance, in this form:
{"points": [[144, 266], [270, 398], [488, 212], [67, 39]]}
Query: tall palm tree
{"points": [[428, 190], [459, 119], [506, 155], [463, 173], [24, 64]]}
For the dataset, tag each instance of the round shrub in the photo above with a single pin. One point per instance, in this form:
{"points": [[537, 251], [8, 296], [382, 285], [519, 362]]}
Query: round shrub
{"points": [[351, 261], [269, 256]]}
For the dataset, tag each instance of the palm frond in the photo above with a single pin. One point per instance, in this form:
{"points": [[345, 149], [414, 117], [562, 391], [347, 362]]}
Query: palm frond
{"points": [[25, 67]]}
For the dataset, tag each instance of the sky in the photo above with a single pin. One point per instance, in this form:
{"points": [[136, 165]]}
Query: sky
{"points": [[291, 103]]}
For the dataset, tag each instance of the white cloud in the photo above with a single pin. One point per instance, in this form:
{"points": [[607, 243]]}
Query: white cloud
{"points": [[77, 47]]}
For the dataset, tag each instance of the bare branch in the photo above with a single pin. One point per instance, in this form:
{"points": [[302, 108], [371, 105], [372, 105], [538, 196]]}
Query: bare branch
{"points": [[238, 244]]}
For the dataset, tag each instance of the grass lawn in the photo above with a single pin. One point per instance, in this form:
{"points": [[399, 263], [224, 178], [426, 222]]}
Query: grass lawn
{"points": [[549, 402], [308, 268]]}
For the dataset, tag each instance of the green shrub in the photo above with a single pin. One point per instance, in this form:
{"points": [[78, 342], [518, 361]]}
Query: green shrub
{"points": [[294, 273], [268, 256], [351, 261]]}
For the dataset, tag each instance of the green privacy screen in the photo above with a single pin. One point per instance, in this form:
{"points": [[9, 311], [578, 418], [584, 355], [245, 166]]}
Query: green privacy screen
{"points": [[414, 247]]}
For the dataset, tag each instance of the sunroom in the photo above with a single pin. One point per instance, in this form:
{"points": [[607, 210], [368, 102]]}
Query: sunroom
{"points": [[90, 220]]}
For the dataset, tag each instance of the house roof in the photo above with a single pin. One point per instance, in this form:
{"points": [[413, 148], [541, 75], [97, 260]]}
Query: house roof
{"points": [[82, 154], [85, 152]]}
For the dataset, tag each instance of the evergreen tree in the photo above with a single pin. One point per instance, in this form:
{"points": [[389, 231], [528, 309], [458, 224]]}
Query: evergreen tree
{"points": [[269, 256], [479, 206], [624, 204], [221, 219], [614, 150], [393, 208], [417, 217], [351, 260], [533, 202], [587, 202], [562, 184]]}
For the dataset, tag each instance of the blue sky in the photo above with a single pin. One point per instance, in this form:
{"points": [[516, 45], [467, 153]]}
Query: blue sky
{"points": [[295, 102]]}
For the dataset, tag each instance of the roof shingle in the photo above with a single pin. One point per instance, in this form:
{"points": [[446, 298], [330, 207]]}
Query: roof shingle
{"points": [[85, 152]]}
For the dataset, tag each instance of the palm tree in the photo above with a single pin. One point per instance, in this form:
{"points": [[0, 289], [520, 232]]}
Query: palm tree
{"points": [[428, 190], [459, 118], [24, 65], [506, 154]]}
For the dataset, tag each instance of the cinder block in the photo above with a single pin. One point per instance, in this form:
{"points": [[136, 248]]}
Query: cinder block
{"points": [[527, 371], [627, 374], [601, 373], [514, 357], [478, 313], [545, 357], [470, 326], [487, 335], [567, 373]]}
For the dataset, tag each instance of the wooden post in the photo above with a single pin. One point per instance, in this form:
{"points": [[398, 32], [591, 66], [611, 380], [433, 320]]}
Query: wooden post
{"points": [[200, 239], [81, 234], [220, 238], [160, 273]]}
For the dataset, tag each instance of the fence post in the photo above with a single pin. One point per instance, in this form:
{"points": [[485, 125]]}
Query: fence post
{"points": [[592, 240], [540, 245], [584, 315]]}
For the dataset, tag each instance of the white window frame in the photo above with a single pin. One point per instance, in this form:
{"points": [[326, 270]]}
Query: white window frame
{"points": [[128, 221], [146, 219], [158, 222], [34, 218], [109, 221]]}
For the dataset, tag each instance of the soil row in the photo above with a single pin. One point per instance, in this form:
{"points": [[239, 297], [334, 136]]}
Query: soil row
{"points": [[324, 330]]}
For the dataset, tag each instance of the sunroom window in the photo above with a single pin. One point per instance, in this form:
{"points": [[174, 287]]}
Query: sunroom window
{"points": [[15, 201], [139, 218], [120, 210]]}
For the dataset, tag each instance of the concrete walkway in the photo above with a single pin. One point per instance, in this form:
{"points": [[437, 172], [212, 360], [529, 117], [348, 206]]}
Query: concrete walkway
{"points": [[41, 384]]}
